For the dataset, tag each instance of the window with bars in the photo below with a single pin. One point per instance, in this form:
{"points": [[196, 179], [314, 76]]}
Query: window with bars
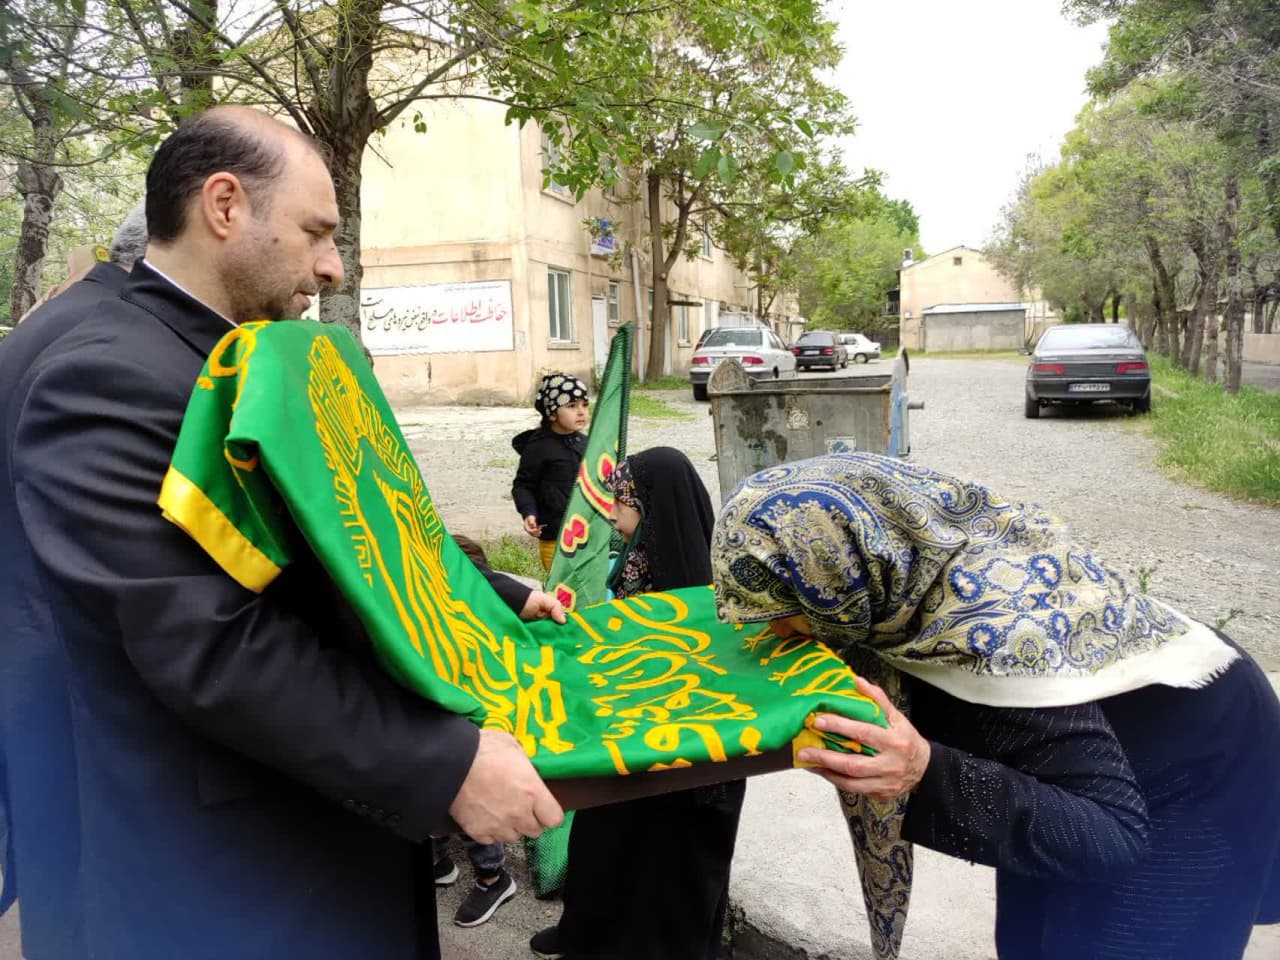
{"points": [[559, 310]]}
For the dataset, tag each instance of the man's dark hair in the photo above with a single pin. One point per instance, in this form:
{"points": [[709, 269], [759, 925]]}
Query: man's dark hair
{"points": [[202, 146]]}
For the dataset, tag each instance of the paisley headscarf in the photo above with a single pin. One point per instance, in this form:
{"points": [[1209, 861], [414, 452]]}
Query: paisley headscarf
{"points": [[900, 568]]}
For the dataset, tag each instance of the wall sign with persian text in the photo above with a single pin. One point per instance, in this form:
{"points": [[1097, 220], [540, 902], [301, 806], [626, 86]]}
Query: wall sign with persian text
{"points": [[438, 318]]}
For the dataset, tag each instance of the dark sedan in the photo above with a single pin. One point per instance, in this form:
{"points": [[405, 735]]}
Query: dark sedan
{"points": [[1085, 363], [817, 348]]}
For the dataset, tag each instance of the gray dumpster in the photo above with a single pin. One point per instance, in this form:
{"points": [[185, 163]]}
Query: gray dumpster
{"points": [[761, 423]]}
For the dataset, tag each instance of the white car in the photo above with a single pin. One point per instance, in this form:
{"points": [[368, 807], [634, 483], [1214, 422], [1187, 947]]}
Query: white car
{"points": [[758, 349], [861, 350]]}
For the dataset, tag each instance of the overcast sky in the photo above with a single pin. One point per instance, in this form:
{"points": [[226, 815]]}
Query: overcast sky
{"points": [[952, 95]]}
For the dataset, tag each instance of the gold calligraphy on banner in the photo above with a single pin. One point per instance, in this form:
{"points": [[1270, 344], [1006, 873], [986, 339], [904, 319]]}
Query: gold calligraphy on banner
{"points": [[646, 677]]}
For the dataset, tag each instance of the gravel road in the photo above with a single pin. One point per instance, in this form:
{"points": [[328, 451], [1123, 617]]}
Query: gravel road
{"points": [[1204, 553]]}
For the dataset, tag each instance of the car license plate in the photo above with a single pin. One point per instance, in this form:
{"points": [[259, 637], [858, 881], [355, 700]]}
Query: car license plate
{"points": [[811, 353], [1088, 388]]}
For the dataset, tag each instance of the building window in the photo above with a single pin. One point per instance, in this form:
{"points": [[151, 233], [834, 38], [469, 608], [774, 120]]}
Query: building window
{"points": [[957, 261], [559, 309], [550, 163], [613, 303], [706, 240], [682, 323]]}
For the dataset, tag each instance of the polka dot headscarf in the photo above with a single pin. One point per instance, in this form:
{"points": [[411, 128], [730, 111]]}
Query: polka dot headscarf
{"points": [[555, 390]]}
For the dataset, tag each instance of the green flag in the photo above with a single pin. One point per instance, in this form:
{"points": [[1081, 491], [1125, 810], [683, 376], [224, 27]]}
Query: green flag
{"points": [[288, 445], [581, 565]]}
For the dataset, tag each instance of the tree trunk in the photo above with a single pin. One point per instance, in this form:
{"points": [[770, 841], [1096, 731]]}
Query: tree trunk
{"points": [[39, 184], [1201, 317], [1205, 302], [1269, 324], [1166, 300], [343, 117], [656, 365], [1177, 334], [1235, 289], [1161, 330], [1211, 348], [341, 304], [1257, 298], [195, 51], [684, 204], [1093, 308]]}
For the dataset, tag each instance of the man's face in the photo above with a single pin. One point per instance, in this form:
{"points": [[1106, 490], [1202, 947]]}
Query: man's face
{"points": [[285, 251]]}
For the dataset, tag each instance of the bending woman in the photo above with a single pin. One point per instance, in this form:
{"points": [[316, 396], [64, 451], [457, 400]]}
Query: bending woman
{"points": [[1117, 762]]}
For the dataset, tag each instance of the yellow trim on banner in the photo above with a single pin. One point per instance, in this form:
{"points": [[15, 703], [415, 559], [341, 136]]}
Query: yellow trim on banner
{"points": [[187, 506]]}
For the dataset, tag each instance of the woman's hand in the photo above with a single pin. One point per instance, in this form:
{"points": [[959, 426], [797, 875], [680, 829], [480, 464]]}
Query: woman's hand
{"points": [[531, 526], [902, 755]]}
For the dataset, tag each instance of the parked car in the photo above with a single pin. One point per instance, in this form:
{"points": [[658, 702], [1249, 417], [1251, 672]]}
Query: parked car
{"points": [[1085, 363], [859, 347], [730, 319], [758, 349], [818, 348]]}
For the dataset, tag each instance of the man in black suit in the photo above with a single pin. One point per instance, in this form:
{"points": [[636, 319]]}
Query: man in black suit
{"points": [[213, 773]]}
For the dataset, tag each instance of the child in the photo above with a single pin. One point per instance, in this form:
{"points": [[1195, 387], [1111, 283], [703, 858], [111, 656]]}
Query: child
{"points": [[549, 459], [494, 885], [648, 879]]}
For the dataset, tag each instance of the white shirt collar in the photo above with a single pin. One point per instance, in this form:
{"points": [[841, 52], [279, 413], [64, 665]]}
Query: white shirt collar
{"points": [[170, 279]]}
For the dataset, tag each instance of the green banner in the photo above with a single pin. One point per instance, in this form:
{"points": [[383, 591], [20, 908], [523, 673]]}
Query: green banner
{"points": [[581, 565], [288, 444]]}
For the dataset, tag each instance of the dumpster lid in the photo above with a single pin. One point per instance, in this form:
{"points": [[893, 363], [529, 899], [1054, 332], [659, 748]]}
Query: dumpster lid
{"points": [[729, 377]]}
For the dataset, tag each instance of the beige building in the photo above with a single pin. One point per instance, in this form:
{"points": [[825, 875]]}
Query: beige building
{"points": [[478, 279], [958, 277]]}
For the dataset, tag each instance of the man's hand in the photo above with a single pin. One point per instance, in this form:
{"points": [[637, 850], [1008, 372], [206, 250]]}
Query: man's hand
{"points": [[531, 526], [503, 798], [541, 605]]}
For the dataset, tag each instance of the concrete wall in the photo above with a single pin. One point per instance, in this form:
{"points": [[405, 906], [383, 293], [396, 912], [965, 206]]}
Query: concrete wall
{"points": [[1262, 347], [430, 218], [465, 201], [940, 279], [997, 330]]}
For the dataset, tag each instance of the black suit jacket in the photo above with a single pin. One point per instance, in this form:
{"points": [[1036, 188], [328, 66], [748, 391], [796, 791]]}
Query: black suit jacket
{"points": [[212, 737]]}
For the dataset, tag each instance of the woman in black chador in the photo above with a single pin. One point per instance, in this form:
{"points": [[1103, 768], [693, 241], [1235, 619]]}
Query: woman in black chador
{"points": [[648, 879]]}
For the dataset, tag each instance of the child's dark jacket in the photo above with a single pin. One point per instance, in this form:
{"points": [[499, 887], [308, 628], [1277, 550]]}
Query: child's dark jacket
{"points": [[548, 465]]}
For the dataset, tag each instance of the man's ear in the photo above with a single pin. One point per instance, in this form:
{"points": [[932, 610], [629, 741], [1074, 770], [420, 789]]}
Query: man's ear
{"points": [[223, 201]]}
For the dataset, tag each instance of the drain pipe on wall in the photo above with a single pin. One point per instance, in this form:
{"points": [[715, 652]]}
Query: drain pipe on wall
{"points": [[641, 356]]}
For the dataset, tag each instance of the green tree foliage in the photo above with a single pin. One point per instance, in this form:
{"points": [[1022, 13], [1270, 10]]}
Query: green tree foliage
{"points": [[709, 104], [67, 179], [726, 114], [617, 84], [848, 267], [1217, 67]]}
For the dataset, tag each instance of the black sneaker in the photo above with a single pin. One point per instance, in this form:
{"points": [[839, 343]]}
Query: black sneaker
{"points": [[546, 944], [445, 870], [484, 899]]}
